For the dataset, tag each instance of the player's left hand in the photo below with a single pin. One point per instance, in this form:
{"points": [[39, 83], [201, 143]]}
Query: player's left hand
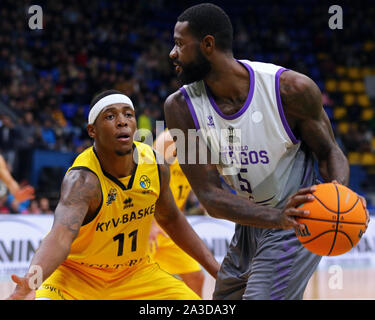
{"points": [[22, 290], [364, 204]]}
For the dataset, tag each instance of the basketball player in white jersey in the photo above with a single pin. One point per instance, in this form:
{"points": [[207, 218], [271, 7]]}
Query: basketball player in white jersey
{"points": [[265, 124]]}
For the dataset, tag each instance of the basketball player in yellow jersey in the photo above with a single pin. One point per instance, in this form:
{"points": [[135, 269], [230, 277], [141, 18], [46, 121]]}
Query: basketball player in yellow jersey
{"points": [[164, 251], [97, 246]]}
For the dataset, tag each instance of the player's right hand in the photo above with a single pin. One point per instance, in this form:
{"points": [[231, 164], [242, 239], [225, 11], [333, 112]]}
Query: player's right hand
{"points": [[291, 210], [22, 290]]}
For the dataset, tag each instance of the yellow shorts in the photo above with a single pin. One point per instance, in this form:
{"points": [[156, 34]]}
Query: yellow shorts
{"points": [[145, 282], [172, 258]]}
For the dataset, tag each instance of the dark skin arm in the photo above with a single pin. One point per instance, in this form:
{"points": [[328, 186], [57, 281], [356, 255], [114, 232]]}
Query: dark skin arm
{"points": [[303, 109], [80, 197], [313, 126], [174, 223], [305, 114]]}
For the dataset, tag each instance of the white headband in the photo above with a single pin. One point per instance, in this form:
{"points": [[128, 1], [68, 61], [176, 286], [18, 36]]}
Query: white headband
{"points": [[107, 101]]}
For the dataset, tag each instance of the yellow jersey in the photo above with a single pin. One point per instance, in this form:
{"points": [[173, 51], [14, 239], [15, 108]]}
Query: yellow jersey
{"points": [[168, 255], [179, 185], [117, 238]]}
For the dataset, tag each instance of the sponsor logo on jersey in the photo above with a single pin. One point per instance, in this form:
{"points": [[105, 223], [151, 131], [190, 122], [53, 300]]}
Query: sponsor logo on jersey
{"points": [[145, 182], [210, 122], [54, 289], [128, 203], [232, 138], [128, 263], [243, 156], [111, 196], [125, 218]]}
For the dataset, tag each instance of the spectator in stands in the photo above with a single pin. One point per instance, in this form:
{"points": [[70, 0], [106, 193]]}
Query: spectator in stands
{"points": [[26, 143], [351, 139], [365, 137], [145, 122], [33, 208], [8, 140], [17, 206], [44, 206], [112, 49], [3, 205], [49, 134]]}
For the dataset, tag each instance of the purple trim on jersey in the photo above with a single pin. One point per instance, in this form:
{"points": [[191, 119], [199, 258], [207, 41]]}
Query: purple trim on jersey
{"points": [[247, 102], [280, 106], [191, 108], [283, 270]]}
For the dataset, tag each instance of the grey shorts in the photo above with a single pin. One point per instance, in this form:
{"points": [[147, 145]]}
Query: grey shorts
{"points": [[267, 264]]}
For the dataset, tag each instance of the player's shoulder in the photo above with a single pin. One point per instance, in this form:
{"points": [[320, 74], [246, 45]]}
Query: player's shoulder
{"points": [[295, 83], [80, 180], [262, 67], [81, 173], [300, 93], [177, 112], [175, 100]]}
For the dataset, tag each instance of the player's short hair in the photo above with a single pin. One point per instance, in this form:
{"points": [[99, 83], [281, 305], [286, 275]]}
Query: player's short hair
{"points": [[102, 95], [209, 19]]}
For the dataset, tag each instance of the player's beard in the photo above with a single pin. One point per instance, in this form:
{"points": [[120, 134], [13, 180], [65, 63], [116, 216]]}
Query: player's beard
{"points": [[195, 70]]}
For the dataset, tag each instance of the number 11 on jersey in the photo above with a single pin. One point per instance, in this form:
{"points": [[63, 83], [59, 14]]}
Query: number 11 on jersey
{"points": [[120, 238]]}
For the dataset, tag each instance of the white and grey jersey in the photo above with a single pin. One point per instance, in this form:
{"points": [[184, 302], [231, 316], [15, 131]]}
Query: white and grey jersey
{"points": [[257, 153], [260, 158]]}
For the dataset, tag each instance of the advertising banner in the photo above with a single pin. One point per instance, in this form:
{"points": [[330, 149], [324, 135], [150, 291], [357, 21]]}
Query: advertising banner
{"points": [[20, 236]]}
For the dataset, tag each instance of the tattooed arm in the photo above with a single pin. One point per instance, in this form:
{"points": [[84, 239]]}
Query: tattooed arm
{"points": [[80, 197]]}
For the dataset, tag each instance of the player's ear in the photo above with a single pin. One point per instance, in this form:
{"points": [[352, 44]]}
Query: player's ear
{"points": [[208, 44], [91, 130]]}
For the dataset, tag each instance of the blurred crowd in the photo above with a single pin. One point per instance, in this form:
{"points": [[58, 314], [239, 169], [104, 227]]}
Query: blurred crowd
{"points": [[35, 206], [48, 77]]}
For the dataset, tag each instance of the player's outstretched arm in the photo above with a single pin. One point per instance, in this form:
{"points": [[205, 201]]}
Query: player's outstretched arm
{"points": [[80, 194], [178, 228], [205, 181]]}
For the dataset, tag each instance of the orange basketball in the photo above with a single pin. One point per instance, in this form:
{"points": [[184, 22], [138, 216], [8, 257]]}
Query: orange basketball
{"points": [[336, 222]]}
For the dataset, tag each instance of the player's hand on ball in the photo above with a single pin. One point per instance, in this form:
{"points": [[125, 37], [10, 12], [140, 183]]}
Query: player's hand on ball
{"points": [[291, 210], [364, 203]]}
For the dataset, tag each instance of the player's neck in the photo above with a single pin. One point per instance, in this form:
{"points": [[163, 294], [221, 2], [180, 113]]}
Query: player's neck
{"points": [[118, 166], [226, 78]]}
